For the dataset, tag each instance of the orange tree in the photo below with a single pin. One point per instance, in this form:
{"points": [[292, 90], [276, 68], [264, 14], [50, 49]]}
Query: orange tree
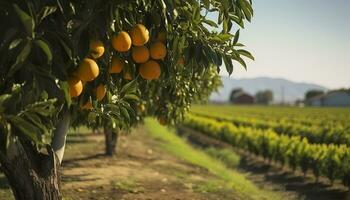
{"points": [[71, 63]]}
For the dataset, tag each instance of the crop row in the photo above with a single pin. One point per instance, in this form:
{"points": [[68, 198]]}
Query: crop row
{"points": [[326, 134], [331, 161], [303, 116]]}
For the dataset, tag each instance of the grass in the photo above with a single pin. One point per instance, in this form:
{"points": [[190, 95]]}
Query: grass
{"points": [[127, 186], [227, 156], [178, 147]]}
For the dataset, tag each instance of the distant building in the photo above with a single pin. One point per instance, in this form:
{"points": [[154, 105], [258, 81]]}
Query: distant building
{"points": [[315, 101], [242, 98], [332, 98]]}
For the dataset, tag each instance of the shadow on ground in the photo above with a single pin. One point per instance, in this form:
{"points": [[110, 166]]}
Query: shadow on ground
{"points": [[306, 187]]}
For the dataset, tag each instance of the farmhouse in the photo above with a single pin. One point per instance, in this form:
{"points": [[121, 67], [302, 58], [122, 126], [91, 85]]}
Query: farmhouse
{"points": [[242, 98], [333, 98]]}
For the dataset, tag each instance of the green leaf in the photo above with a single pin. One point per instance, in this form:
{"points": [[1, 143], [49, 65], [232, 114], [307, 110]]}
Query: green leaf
{"points": [[3, 101], [46, 11], [15, 43], [35, 120], [27, 128], [225, 36], [244, 6], [65, 88], [21, 58], [132, 97], [245, 53], [66, 48], [242, 62], [125, 113], [45, 108], [91, 117], [228, 64], [129, 87], [46, 49], [210, 23], [26, 19], [236, 37]]}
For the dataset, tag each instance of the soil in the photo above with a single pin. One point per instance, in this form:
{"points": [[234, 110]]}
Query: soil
{"points": [[139, 171]]}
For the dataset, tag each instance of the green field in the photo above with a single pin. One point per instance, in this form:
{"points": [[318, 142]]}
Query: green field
{"points": [[308, 139]]}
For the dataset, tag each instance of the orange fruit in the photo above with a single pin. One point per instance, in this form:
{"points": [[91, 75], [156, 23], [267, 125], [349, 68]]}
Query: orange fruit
{"points": [[75, 86], [117, 66], [88, 70], [139, 35], [121, 42], [140, 54], [150, 70], [158, 51], [96, 48], [87, 106], [161, 37], [100, 92], [127, 76]]}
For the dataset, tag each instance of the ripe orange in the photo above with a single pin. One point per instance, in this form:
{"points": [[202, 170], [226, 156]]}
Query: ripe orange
{"points": [[139, 35], [121, 42], [96, 48], [127, 76], [158, 51], [117, 65], [87, 106], [88, 70], [150, 70], [75, 86], [161, 37], [140, 54], [100, 92]]}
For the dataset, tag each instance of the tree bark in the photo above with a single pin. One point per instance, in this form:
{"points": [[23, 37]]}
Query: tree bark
{"points": [[111, 139], [32, 175]]}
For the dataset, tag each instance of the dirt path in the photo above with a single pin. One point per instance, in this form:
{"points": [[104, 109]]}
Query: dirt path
{"points": [[141, 171]]}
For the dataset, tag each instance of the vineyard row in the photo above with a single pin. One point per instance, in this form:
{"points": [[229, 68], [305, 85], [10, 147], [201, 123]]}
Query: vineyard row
{"points": [[331, 161], [315, 134]]}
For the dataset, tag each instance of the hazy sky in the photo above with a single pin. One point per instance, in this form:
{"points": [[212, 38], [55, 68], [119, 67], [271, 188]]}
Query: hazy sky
{"points": [[300, 40]]}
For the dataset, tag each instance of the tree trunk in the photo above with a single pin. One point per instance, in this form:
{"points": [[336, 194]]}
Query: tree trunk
{"points": [[32, 175], [111, 139]]}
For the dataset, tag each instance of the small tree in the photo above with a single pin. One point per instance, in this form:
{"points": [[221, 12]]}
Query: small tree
{"points": [[264, 97], [70, 63], [313, 93], [233, 94]]}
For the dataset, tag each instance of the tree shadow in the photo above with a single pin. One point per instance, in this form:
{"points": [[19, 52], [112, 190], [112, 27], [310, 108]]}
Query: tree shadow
{"points": [[77, 178], [73, 162], [306, 187]]}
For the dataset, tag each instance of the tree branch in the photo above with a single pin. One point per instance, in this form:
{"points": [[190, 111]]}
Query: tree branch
{"points": [[59, 138]]}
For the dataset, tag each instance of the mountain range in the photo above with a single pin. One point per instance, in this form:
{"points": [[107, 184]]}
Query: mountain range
{"points": [[283, 90]]}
